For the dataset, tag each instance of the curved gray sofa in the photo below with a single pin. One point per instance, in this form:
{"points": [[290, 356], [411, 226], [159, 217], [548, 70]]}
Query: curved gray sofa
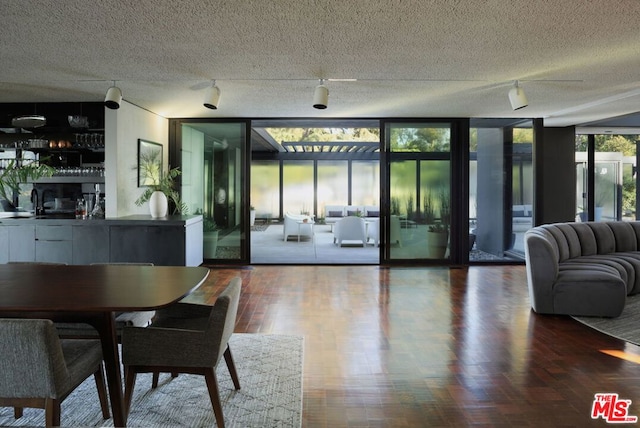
{"points": [[583, 269]]}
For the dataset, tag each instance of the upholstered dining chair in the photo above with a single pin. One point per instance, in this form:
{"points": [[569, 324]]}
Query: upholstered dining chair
{"points": [[38, 369], [185, 338]]}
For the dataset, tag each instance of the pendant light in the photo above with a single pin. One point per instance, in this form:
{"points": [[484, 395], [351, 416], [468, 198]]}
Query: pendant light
{"points": [[113, 98]]}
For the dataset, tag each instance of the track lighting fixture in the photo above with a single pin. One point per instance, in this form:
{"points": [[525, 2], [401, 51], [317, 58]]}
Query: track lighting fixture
{"points": [[321, 96], [212, 96], [113, 98], [517, 97]]}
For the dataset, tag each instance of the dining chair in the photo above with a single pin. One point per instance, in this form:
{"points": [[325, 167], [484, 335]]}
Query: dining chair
{"points": [[71, 330], [38, 369], [185, 338]]}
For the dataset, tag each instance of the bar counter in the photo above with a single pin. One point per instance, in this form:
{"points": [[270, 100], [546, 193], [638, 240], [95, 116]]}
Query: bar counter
{"points": [[169, 241]]}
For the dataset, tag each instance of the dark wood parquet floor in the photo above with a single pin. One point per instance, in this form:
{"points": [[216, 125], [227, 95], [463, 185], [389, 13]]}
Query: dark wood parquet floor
{"points": [[421, 347]]}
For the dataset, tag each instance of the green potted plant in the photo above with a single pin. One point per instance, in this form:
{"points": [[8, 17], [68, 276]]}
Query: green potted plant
{"points": [[428, 209], [161, 192], [17, 172], [438, 233]]}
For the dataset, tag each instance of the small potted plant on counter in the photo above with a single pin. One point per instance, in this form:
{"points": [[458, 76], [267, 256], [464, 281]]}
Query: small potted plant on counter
{"points": [[161, 192]]}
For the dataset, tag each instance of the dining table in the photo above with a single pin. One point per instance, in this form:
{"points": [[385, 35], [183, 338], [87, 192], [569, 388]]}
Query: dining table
{"points": [[92, 294]]}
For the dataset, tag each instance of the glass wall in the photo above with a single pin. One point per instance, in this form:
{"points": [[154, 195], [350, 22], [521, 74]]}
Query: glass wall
{"points": [[265, 189], [613, 175], [333, 184], [500, 189], [365, 183], [212, 158], [419, 190], [298, 189]]}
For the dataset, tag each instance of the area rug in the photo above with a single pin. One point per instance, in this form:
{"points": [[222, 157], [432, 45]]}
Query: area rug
{"points": [[625, 327], [270, 372], [259, 227]]}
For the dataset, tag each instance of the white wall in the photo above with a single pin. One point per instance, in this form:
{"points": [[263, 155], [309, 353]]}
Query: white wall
{"points": [[123, 127], [193, 168]]}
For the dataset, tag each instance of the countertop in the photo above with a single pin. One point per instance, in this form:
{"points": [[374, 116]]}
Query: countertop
{"points": [[141, 220]]}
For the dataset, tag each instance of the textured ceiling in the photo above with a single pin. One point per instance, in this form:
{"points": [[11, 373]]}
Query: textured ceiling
{"points": [[578, 61]]}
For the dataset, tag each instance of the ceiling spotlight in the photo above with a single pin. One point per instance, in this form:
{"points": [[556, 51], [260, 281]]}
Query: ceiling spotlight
{"points": [[113, 98], [517, 97], [321, 96], [212, 97]]}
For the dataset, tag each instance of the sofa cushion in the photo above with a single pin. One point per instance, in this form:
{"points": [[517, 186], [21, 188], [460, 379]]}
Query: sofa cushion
{"points": [[624, 268], [587, 238], [561, 242], [635, 225], [604, 237], [625, 236], [373, 213], [572, 239], [589, 293], [335, 214], [634, 280]]}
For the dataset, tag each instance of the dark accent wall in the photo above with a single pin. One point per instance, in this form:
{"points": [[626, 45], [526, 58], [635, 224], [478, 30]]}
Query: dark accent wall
{"points": [[555, 175], [490, 231]]}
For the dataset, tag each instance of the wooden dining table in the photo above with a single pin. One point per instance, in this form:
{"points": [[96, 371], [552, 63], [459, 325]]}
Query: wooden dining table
{"points": [[92, 295]]}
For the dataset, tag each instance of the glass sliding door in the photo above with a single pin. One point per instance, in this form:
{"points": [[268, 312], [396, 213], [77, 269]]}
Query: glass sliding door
{"points": [[419, 223], [609, 162], [325, 169], [213, 158], [500, 189]]}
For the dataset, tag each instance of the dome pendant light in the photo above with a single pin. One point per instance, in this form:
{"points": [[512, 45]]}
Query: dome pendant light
{"points": [[321, 96], [212, 96], [113, 98], [517, 97]]}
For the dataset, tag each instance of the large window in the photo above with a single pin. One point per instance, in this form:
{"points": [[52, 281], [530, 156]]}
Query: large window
{"points": [[613, 160], [297, 192], [365, 182], [333, 184], [500, 189], [419, 190], [265, 189]]}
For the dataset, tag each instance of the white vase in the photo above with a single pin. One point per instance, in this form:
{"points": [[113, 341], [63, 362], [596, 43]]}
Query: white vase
{"points": [[158, 204]]}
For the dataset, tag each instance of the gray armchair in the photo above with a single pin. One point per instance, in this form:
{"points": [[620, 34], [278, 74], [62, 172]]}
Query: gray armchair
{"points": [[38, 369], [185, 338]]}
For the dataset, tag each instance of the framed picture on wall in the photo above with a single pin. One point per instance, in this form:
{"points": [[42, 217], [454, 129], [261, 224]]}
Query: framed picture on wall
{"points": [[149, 163]]}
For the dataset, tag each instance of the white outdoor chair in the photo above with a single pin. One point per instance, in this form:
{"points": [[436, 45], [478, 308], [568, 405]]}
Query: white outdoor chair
{"points": [[294, 225], [350, 229]]}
